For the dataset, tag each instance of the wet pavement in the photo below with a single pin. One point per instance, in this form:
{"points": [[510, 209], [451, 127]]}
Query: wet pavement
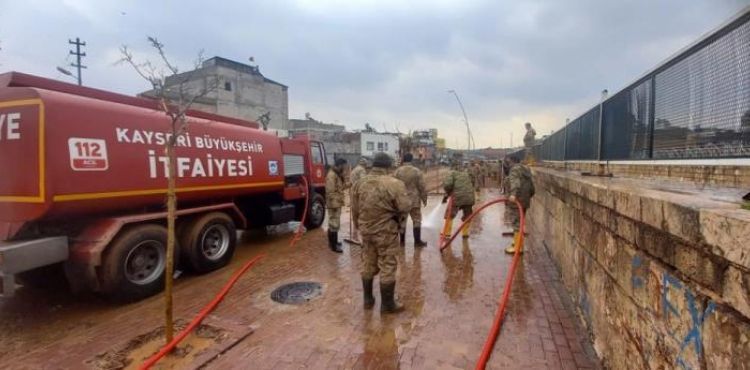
{"points": [[450, 299]]}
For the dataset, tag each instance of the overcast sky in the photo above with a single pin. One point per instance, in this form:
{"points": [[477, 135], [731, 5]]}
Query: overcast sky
{"points": [[387, 62]]}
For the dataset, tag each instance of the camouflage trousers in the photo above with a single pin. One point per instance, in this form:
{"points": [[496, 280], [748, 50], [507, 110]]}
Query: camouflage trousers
{"points": [[513, 216], [416, 219], [334, 219], [379, 257], [465, 211]]}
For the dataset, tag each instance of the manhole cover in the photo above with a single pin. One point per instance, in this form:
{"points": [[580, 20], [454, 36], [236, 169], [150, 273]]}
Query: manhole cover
{"points": [[297, 293]]}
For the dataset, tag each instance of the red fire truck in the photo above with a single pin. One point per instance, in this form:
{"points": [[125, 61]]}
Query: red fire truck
{"points": [[83, 178]]}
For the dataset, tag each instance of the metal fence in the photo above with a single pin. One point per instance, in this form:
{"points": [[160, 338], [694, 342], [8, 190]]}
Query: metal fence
{"points": [[695, 105]]}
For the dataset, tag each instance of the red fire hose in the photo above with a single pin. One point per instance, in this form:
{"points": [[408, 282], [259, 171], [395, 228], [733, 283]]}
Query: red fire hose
{"points": [[219, 297], [201, 315], [497, 324], [301, 227]]}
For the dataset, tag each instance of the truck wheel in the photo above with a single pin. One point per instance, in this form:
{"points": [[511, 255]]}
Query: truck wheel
{"points": [[317, 212], [208, 242], [134, 263]]}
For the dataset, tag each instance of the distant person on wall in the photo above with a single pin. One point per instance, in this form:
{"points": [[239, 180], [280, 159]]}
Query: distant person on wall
{"points": [[335, 186], [413, 178], [521, 189], [357, 174], [529, 139]]}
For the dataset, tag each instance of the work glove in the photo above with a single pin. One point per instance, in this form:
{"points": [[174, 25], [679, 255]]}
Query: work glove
{"points": [[512, 198]]}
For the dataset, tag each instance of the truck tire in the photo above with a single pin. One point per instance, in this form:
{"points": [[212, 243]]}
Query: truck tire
{"points": [[133, 264], [207, 242], [316, 212]]}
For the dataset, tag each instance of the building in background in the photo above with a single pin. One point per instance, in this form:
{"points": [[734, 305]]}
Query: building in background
{"points": [[376, 142], [242, 92], [340, 143], [337, 141]]}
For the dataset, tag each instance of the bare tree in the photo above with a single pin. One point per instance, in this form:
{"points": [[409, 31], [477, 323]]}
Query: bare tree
{"points": [[175, 97]]}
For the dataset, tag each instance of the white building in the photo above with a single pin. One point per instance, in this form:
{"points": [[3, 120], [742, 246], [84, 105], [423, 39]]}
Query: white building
{"points": [[373, 142]]}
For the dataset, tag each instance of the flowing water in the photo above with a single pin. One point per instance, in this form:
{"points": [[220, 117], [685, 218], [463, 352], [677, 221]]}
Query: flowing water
{"points": [[434, 219]]}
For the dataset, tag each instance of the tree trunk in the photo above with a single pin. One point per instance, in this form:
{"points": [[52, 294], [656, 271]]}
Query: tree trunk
{"points": [[169, 273]]}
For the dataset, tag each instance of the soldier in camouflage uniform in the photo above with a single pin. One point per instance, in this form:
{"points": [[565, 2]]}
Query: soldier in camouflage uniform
{"points": [[485, 174], [460, 185], [520, 188], [335, 186], [529, 139], [504, 172], [357, 174], [474, 174], [379, 202], [359, 171], [413, 178]]}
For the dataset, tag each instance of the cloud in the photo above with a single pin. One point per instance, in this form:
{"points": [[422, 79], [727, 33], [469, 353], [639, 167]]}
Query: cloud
{"points": [[387, 62]]}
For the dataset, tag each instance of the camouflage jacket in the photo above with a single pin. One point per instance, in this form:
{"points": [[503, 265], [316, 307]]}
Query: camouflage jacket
{"points": [[335, 186], [379, 202], [520, 184], [414, 180], [357, 173], [529, 138], [461, 186]]}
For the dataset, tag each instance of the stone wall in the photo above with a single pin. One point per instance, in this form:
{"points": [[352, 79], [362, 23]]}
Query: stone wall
{"points": [[704, 174], [660, 280]]}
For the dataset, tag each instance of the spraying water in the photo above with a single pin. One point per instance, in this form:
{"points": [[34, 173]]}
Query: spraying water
{"points": [[435, 218]]}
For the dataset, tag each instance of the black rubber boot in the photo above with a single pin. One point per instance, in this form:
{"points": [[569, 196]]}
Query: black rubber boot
{"points": [[403, 238], [418, 238], [333, 238], [369, 300], [387, 299]]}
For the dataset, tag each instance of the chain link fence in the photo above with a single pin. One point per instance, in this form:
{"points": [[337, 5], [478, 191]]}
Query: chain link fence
{"points": [[695, 105]]}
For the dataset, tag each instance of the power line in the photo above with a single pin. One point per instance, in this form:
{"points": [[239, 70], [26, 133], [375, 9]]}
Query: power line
{"points": [[78, 54]]}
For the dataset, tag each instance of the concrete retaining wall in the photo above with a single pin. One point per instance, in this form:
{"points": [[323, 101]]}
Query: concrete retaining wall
{"points": [[737, 176], [660, 280]]}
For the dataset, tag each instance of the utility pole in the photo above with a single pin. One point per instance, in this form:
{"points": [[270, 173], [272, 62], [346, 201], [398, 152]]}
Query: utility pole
{"points": [[511, 139], [78, 43]]}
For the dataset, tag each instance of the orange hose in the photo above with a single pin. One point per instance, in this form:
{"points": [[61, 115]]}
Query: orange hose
{"points": [[219, 297], [497, 323], [300, 228], [201, 315]]}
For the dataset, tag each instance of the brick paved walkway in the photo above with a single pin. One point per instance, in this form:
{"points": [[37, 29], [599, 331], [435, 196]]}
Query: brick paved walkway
{"points": [[451, 300]]}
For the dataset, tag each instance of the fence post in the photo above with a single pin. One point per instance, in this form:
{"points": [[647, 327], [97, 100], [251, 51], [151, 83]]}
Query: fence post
{"points": [[601, 124], [651, 117], [565, 140]]}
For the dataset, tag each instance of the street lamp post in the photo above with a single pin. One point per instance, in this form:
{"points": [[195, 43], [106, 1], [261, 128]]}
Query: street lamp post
{"points": [[67, 73], [466, 119]]}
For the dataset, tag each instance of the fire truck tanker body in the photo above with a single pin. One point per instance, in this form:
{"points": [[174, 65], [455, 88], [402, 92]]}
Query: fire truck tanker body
{"points": [[83, 179]]}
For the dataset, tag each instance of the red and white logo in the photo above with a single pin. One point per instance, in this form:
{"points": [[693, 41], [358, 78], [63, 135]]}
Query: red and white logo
{"points": [[88, 154]]}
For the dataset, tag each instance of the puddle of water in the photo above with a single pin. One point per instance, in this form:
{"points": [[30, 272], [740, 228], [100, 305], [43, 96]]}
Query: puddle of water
{"points": [[282, 229], [138, 350]]}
